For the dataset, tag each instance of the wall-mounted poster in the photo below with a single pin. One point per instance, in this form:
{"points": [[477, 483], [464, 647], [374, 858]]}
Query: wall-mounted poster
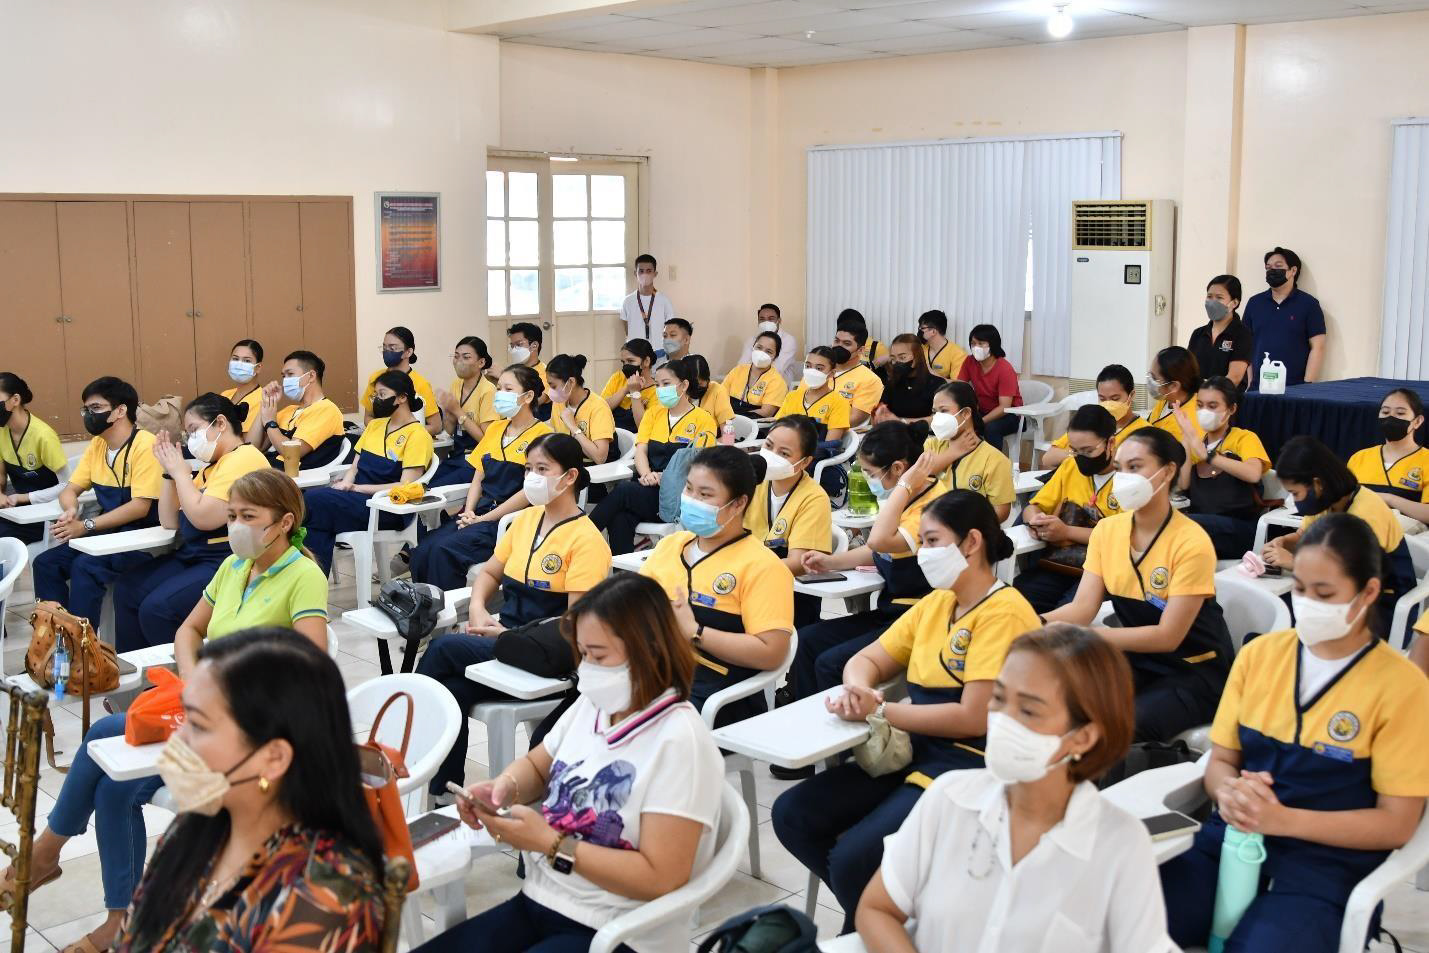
{"points": [[408, 241]]}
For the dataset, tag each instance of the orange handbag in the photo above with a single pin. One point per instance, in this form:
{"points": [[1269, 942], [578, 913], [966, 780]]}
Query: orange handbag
{"points": [[381, 767], [157, 712]]}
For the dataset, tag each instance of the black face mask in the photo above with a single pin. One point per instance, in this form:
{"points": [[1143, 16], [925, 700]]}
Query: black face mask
{"points": [[5, 415], [383, 406], [1091, 466], [96, 421], [1393, 428], [629, 370], [1312, 504], [900, 369], [1275, 277]]}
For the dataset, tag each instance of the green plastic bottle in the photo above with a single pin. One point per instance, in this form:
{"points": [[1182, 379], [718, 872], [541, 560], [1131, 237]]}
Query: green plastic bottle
{"points": [[1237, 885], [861, 501]]}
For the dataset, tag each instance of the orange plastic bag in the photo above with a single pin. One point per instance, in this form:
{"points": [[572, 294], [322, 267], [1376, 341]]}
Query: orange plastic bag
{"points": [[157, 712]]}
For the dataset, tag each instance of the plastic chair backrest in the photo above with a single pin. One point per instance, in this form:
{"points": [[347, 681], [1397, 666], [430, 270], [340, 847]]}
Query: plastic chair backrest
{"points": [[435, 720], [332, 649], [1249, 608], [744, 428], [14, 556], [1035, 392], [1082, 398], [1419, 552], [504, 525], [625, 443], [1271, 488], [840, 540]]}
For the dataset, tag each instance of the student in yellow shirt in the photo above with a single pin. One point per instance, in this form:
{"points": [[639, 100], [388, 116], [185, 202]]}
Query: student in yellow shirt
{"points": [[466, 409], [1115, 389], [790, 513], [945, 357], [1398, 469], [31, 457], [855, 381], [244, 362], [1317, 746], [399, 353], [951, 646], [152, 599], [1320, 483], [498, 463], [1158, 568], [961, 455], [312, 419], [631, 390], [816, 398], [1076, 497], [714, 399], [756, 389], [1222, 472], [577, 411], [1173, 382], [676, 424]]}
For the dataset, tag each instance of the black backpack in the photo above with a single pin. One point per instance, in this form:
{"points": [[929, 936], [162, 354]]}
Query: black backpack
{"points": [[772, 929], [1145, 755], [413, 608]]}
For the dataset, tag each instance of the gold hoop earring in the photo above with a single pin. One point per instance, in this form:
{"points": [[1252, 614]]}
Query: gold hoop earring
{"points": [[263, 785]]}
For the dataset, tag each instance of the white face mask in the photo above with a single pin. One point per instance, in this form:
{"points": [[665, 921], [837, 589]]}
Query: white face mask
{"points": [[981, 352], [1208, 419], [246, 540], [941, 565], [201, 447], [768, 326], [1015, 753], [540, 489], [760, 359], [944, 425], [814, 378], [775, 466], [644, 280], [1132, 491], [606, 686], [1317, 621], [520, 355]]}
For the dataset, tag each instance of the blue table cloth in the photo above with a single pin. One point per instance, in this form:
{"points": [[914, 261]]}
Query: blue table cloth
{"points": [[1341, 414]]}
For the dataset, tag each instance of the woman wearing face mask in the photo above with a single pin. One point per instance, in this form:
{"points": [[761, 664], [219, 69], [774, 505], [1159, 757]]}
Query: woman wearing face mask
{"points": [[755, 389], [1074, 499], [243, 365], [271, 815], [393, 450], [790, 513], [951, 646], [578, 412], [673, 425], [1398, 469], [909, 385], [31, 457], [399, 353], [631, 390], [816, 398], [1320, 483], [713, 399], [498, 468], [1059, 717], [152, 599], [732, 596], [994, 379], [267, 581], [1222, 472], [624, 791], [1158, 569], [1172, 382], [1318, 746], [900, 476], [959, 452], [467, 409], [1223, 346], [548, 559], [1115, 389]]}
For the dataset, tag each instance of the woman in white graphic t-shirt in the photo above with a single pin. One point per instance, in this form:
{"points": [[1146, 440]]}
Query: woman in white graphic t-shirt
{"points": [[623, 794]]}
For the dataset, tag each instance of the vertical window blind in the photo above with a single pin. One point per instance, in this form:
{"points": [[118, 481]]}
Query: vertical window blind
{"points": [[1404, 346]]}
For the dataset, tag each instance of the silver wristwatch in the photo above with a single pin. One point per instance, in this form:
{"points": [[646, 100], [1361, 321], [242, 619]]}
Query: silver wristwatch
{"points": [[89, 526]]}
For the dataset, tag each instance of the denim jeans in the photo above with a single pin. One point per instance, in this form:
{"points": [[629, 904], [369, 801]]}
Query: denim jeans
{"points": [[117, 807]]}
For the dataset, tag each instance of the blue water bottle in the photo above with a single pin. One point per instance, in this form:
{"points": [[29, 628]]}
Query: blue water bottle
{"points": [[1237, 885], [61, 670]]}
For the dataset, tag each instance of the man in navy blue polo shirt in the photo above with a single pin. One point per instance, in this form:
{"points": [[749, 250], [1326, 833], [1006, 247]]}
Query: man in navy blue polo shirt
{"points": [[1286, 322]]}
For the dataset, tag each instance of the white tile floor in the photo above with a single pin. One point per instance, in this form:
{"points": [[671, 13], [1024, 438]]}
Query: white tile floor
{"points": [[62, 916]]}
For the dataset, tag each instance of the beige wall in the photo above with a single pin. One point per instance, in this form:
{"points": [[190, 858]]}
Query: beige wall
{"points": [[321, 97]]}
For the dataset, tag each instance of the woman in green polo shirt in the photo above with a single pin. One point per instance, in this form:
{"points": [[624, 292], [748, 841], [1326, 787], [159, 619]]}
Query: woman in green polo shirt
{"points": [[269, 580]]}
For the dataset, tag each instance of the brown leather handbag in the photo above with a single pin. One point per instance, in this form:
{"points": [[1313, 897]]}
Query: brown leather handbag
{"points": [[93, 666], [381, 767]]}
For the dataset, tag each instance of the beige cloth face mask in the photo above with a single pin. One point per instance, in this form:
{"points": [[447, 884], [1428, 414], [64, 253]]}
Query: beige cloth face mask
{"points": [[195, 787]]}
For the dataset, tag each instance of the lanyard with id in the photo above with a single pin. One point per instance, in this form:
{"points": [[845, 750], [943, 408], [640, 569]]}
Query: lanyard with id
{"points": [[1156, 601]]}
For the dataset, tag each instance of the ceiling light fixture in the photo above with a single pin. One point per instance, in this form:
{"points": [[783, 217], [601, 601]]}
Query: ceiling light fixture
{"points": [[1060, 23], [565, 158]]}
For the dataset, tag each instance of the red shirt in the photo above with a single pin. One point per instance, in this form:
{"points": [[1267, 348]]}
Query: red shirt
{"points": [[1001, 381]]}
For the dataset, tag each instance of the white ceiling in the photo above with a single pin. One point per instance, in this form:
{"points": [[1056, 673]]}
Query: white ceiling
{"points": [[782, 33]]}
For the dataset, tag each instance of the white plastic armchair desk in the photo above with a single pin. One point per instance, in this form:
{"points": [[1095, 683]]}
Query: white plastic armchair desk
{"points": [[850, 441], [1400, 635], [734, 827], [14, 557], [364, 542]]}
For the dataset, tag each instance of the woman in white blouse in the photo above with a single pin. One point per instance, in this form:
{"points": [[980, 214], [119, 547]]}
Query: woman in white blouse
{"points": [[1027, 855]]}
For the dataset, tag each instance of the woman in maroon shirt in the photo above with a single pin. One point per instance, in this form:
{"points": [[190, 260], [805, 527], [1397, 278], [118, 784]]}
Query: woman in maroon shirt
{"points": [[994, 381]]}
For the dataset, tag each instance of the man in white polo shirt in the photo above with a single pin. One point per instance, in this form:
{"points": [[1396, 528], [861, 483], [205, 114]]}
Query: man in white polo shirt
{"points": [[646, 310]]}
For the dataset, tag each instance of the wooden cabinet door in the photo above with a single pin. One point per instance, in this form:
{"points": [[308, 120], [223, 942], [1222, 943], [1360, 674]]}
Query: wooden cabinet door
{"points": [[220, 283], [329, 321], [276, 275], [163, 291], [30, 275], [96, 293]]}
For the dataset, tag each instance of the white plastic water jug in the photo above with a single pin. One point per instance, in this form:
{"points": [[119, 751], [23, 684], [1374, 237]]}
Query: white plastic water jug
{"points": [[1272, 376]]}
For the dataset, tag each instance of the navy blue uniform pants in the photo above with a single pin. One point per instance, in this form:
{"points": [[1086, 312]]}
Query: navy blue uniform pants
{"points": [[628, 505], [445, 555], [824, 648], [520, 925], [153, 599], [331, 512], [78, 581], [445, 660]]}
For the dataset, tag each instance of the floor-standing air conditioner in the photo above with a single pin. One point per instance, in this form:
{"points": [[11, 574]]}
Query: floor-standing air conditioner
{"points": [[1123, 255]]}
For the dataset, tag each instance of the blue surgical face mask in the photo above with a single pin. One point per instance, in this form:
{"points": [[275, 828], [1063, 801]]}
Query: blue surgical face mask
{"points": [[241, 372], [293, 387], [506, 403], [671, 345], [668, 395], [699, 517], [392, 358], [877, 489]]}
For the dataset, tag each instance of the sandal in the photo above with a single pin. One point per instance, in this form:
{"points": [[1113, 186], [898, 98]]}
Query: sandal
{"points": [[85, 945], [7, 883]]}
